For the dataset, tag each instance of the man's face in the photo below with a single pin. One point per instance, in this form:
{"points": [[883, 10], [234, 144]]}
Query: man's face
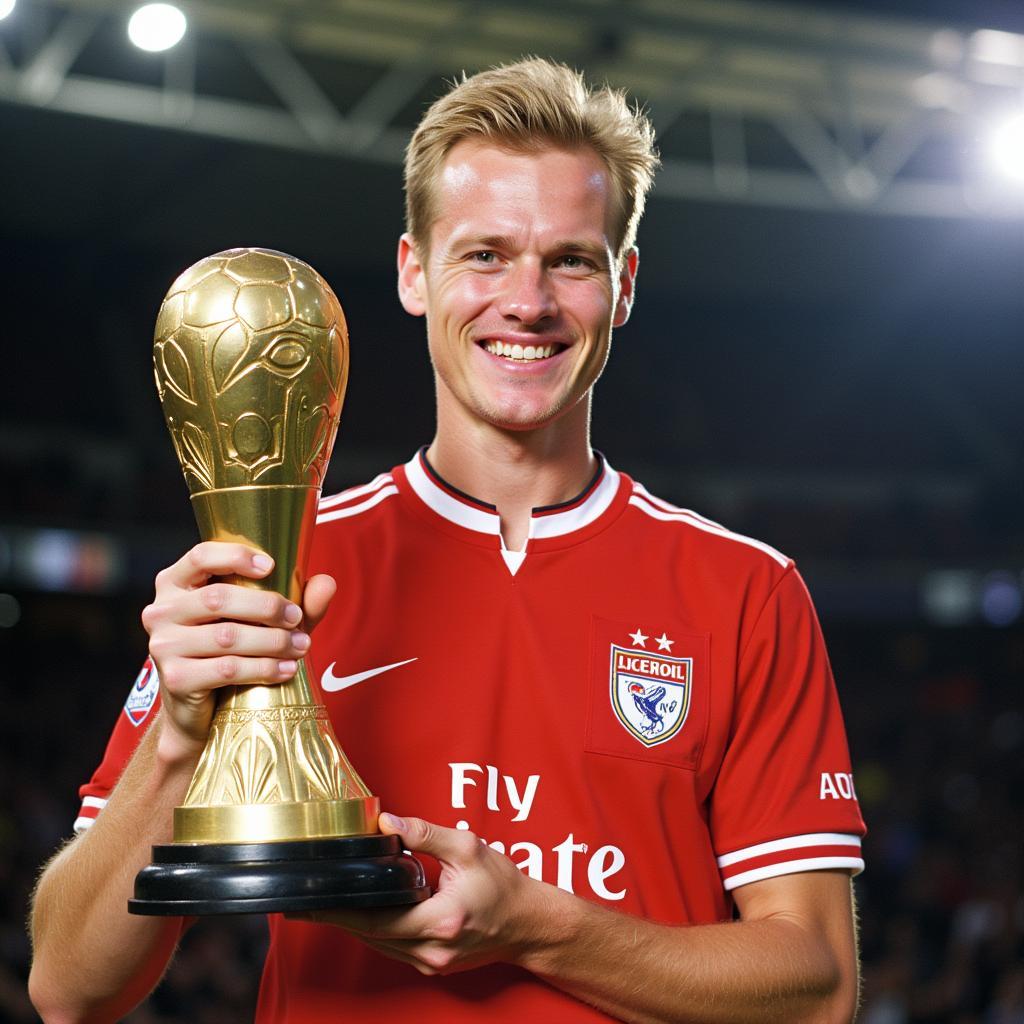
{"points": [[520, 290]]}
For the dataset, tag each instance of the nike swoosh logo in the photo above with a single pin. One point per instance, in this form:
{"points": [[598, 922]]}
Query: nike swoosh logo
{"points": [[332, 683]]}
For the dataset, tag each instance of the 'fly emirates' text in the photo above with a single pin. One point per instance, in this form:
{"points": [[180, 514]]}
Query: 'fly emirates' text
{"points": [[602, 864]]}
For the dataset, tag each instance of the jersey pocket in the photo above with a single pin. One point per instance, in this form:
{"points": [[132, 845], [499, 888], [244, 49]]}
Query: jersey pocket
{"points": [[647, 694]]}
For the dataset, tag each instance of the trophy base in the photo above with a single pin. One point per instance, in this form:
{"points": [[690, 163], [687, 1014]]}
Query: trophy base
{"points": [[187, 879]]}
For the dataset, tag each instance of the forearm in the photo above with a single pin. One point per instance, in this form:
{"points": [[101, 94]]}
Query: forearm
{"points": [[761, 970], [92, 961]]}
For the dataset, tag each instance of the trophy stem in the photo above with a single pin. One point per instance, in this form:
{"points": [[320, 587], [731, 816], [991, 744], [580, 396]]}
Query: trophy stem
{"points": [[276, 518]]}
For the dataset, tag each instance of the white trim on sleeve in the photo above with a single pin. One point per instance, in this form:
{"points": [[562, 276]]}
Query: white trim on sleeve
{"points": [[789, 843], [792, 867]]}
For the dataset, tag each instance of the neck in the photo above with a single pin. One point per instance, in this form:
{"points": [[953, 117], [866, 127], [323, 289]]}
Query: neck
{"points": [[517, 470]]}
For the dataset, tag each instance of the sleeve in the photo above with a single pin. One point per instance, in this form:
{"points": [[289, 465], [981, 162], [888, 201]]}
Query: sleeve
{"points": [[783, 800], [142, 703]]}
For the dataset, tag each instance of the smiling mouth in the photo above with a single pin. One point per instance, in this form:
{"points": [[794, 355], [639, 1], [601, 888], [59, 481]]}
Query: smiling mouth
{"points": [[521, 353]]}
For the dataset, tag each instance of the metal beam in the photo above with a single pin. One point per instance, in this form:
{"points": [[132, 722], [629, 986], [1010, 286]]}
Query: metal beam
{"points": [[45, 73], [856, 97], [284, 73]]}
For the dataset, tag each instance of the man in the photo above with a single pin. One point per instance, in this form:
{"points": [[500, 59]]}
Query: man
{"points": [[631, 705]]}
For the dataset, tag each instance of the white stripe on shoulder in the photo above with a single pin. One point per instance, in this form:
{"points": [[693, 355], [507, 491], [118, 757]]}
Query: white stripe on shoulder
{"points": [[93, 801], [667, 506], [354, 510], [354, 492], [81, 824], [708, 527]]}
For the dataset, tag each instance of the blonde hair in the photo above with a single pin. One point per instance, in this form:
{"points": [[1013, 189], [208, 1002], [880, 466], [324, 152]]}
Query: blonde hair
{"points": [[529, 106]]}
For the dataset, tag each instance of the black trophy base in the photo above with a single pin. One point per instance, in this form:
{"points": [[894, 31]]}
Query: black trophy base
{"points": [[261, 878]]}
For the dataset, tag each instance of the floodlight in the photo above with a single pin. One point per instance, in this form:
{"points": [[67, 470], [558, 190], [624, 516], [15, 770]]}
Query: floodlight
{"points": [[6, 6], [1006, 146], [992, 47], [156, 27]]}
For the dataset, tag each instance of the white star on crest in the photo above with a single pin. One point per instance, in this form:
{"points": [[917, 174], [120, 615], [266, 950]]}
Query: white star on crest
{"points": [[638, 638], [664, 644]]}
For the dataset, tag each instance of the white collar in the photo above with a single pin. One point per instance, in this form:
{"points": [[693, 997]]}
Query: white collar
{"points": [[551, 521]]}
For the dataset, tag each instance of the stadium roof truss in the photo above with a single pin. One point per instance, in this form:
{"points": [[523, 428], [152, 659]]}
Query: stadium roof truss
{"points": [[753, 102]]}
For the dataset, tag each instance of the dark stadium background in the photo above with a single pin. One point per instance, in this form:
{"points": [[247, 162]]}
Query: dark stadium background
{"points": [[845, 386]]}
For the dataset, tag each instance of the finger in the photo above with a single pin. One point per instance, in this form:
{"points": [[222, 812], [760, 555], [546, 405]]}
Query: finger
{"points": [[428, 957], [215, 558], [228, 637], [218, 601], [188, 678], [317, 597], [404, 950], [384, 924], [214, 603], [401, 950], [379, 923], [454, 846]]}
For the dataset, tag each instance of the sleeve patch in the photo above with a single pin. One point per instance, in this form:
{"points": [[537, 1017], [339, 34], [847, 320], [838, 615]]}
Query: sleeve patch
{"points": [[143, 694]]}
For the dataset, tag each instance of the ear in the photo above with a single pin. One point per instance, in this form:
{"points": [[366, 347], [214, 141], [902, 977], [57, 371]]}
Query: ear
{"points": [[627, 287], [411, 289]]}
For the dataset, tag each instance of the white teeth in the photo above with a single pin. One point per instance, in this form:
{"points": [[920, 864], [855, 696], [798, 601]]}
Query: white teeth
{"points": [[509, 351]]}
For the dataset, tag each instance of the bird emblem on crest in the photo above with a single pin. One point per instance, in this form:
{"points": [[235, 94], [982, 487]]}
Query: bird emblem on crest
{"points": [[650, 691]]}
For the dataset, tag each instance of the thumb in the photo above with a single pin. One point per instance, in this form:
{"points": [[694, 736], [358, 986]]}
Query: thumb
{"points": [[419, 836], [317, 597]]}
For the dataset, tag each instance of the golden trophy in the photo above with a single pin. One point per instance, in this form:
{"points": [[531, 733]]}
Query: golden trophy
{"points": [[251, 360]]}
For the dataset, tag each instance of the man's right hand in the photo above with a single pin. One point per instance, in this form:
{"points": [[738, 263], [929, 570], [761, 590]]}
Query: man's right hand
{"points": [[205, 634]]}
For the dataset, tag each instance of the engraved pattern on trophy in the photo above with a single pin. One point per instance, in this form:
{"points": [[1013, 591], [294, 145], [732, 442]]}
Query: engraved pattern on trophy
{"points": [[297, 738], [250, 361], [250, 355]]}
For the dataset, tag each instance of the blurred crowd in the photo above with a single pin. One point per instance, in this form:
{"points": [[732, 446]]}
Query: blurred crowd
{"points": [[937, 733]]}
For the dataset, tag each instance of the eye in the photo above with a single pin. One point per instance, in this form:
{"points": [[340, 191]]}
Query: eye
{"points": [[573, 262], [287, 352], [484, 256]]}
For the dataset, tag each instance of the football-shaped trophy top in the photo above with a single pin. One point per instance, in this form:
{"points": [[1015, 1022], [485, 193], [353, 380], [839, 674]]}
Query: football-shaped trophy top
{"points": [[250, 354]]}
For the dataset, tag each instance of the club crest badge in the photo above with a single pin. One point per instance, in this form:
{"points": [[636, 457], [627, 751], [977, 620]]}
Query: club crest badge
{"points": [[650, 693], [143, 694]]}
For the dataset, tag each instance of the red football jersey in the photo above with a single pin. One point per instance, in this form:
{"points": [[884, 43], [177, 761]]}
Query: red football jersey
{"points": [[638, 709]]}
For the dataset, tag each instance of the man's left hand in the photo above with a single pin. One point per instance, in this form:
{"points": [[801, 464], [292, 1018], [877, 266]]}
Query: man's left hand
{"points": [[484, 910]]}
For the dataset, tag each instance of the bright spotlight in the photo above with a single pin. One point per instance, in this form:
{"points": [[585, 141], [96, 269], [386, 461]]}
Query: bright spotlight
{"points": [[1006, 147], [156, 27], [6, 6]]}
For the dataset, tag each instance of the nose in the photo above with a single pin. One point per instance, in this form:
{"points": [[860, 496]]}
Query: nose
{"points": [[527, 294]]}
